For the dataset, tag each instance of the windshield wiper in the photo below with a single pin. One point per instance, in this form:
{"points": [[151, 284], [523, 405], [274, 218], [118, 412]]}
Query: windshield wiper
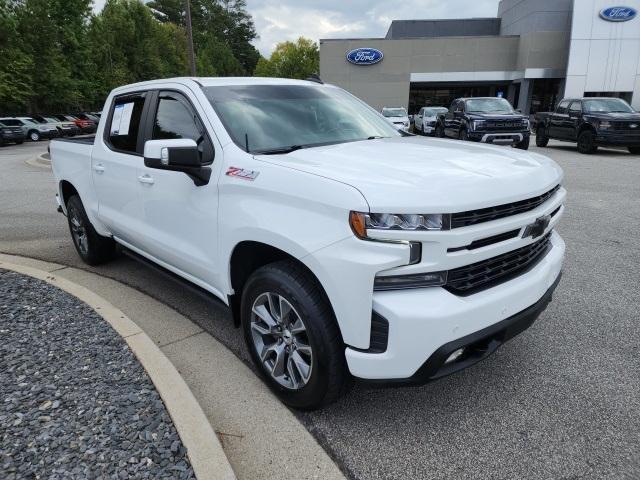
{"points": [[374, 137], [279, 151]]}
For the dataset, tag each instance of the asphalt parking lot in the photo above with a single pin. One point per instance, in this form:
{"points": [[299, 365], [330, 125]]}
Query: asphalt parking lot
{"points": [[560, 401]]}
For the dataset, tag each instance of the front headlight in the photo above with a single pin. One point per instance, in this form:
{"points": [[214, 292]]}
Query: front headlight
{"points": [[525, 123], [477, 123], [604, 125], [361, 222]]}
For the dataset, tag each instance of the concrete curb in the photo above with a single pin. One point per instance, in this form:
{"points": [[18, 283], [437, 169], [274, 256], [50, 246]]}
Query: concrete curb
{"points": [[203, 446], [41, 161]]}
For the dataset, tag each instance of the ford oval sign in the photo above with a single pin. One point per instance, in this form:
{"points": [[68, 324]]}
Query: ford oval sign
{"points": [[618, 14], [364, 56]]}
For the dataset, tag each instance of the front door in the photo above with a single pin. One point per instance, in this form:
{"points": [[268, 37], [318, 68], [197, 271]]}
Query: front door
{"points": [[179, 218], [558, 120], [115, 162]]}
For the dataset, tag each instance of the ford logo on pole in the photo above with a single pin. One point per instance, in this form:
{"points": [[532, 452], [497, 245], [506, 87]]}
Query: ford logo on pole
{"points": [[364, 56], [618, 14]]}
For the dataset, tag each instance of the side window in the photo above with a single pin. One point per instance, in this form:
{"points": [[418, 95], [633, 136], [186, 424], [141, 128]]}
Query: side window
{"points": [[576, 108], [176, 118], [421, 112], [124, 123], [460, 107], [563, 106]]}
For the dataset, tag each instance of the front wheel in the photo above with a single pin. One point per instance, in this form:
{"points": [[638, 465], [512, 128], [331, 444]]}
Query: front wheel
{"points": [[93, 248], [439, 131], [523, 145], [541, 139], [634, 150], [34, 135], [463, 135], [586, 142], [293, 337]]}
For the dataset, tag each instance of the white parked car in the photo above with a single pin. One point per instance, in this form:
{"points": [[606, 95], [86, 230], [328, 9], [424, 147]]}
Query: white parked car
{"points": [[426, 119], [342, 247], [398, 117]]}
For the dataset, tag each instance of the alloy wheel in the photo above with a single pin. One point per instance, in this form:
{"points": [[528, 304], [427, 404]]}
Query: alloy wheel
{"points": [[78, 232], [280, 338]]}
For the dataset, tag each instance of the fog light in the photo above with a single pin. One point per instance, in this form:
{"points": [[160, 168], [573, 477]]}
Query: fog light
{"points": [[454, 356]]}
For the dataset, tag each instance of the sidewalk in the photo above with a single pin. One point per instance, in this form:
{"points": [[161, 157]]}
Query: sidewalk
{"points": [[261, 438]]}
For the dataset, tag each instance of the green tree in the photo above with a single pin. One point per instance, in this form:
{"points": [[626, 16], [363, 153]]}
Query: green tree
{"points": [[226, 21], [52, 35], [291, 60], [128, 45], [16, 88]]}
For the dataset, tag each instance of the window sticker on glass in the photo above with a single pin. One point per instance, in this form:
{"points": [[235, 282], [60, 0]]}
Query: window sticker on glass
{"points": [[121, 119]]}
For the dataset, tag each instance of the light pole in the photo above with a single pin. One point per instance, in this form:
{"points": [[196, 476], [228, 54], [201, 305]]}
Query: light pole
{"points": [[192, 58]]}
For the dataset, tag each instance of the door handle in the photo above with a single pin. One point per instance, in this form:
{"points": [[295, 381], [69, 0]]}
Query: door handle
{"points": [[148, 179], [99, 168]]}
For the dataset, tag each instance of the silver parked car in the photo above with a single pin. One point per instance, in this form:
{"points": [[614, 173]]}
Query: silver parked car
{"points": [[36, 131]]}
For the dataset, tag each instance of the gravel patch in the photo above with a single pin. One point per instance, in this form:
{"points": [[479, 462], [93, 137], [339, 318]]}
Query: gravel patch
{"points": [[75, 402]]}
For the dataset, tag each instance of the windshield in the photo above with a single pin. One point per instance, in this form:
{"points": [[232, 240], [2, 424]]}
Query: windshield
{"points": [[606, 105], [488, 105], [263, 118], [433, 112], [394, 112], [12, 122]]}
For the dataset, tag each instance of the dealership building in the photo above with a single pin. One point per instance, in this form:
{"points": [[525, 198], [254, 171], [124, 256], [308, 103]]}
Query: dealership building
{"points": [[534, 52]]}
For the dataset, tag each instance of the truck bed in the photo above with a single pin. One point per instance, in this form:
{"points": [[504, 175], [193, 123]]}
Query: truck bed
{"points": [[84, 139]]}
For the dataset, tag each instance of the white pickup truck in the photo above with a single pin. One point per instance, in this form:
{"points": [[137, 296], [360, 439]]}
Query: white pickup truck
{"points": [[343, 247]]}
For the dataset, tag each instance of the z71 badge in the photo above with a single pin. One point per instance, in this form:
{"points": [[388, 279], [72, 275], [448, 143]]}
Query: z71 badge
{"points": [[242, 173]]}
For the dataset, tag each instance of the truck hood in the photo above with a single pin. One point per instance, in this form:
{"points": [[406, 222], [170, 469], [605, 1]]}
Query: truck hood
{"points": [[635, 116], [423, 175], [496, 116]]}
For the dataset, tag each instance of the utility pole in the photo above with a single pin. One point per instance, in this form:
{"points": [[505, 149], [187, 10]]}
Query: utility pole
{"points": [[192, 57]]}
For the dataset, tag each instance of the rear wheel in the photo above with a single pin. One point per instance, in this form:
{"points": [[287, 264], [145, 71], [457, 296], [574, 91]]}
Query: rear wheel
{"points": [[541, 139], [293, 337], [586, 142], [93, 248], [634, 150], [34, 135]]}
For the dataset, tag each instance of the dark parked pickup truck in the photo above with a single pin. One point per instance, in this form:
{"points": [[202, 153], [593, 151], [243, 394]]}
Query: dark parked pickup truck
{"points": [[484, 119], [591, 122]]}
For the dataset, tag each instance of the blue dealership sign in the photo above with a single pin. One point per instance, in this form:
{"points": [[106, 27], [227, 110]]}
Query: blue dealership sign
{"points": [[364, 56], [618, 14]]}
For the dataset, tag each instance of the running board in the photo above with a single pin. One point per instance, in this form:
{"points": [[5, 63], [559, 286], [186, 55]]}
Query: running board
{"points": [[195, 289]]}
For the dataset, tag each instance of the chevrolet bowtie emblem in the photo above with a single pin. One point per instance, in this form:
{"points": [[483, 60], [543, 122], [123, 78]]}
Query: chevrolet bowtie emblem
{"points": [[537, 228]]}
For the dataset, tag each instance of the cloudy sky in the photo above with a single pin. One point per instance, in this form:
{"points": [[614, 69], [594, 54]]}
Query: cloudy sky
{"points": [[279, 20]]}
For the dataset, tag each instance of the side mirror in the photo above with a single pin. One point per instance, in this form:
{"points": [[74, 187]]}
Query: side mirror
{"points": [[179, 155]]}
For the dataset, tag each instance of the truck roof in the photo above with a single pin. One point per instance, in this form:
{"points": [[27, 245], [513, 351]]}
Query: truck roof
{"points": [[220, 81]]}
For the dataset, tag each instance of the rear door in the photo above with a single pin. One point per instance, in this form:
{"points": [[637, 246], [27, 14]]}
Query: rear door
{"points": [[179, 218], [558, 119], [575, 111], [116, 159]]}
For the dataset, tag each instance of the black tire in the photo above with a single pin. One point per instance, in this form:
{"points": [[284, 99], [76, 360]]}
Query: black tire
{"points": [[93, 248], [586, 142], [463, 135], [439, 130], [329, 377], [19, 142], [523, 145], [34, 136], [634, 150], [541, 139]]}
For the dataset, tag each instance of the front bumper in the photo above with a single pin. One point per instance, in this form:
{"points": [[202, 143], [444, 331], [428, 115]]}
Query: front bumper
{"points": [[617, 139], [425, 324], [502, 138]]}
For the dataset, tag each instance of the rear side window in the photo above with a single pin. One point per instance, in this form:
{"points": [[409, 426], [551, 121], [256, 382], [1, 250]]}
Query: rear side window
{"points": [[576, 107], [124, 124], [563, 107]]}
